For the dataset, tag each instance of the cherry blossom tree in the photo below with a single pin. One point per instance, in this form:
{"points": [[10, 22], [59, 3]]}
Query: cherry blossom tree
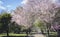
{"points": [[32, 10], [44, 10]]}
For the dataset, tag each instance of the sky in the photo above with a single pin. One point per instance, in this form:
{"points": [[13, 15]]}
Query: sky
{"points": [[12, 4], [9, 4]]}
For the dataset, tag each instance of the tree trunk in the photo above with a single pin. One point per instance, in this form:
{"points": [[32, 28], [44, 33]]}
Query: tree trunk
{"points": [[48, 32], [7, 33], [58, 33], [47, 29], [7, 30], [27, 33]]}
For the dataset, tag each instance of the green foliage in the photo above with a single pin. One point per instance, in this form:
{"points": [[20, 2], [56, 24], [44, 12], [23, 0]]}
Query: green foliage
{"points": [[39, 24], [15, 28], [5, 18], [4, 21]]}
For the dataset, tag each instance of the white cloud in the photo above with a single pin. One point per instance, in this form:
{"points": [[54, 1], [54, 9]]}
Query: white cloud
{"points": [[1, 2], [24, 2], [2, 7]]}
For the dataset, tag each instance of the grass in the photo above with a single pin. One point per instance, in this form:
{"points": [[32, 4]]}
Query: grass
{"points": [[12, 34], [3, 34], [52, 34]]}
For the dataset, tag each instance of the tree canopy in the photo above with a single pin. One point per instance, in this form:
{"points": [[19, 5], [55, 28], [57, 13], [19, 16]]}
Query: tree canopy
{"points": [[5, 19]]}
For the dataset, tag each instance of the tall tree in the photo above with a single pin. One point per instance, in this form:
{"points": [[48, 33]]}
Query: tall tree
{"points": [[56, 22], [43, 10], [32, 10], [5, 19]]}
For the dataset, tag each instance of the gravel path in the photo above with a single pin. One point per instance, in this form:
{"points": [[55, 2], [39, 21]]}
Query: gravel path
{"points": [[39, 35]]}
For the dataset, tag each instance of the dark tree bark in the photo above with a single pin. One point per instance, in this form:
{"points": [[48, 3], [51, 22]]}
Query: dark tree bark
{"points": [[27, 33], [58, 31], [7, 33]]}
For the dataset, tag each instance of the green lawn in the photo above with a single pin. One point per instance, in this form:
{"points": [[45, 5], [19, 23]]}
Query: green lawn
{"points": [[3, 34], [12, 34]]}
